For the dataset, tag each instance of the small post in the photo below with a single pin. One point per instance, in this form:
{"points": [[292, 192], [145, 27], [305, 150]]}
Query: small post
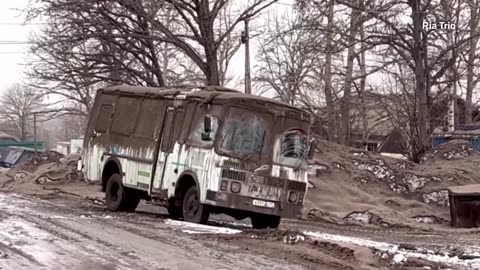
{"points": [[246, 40], [35, 132]]}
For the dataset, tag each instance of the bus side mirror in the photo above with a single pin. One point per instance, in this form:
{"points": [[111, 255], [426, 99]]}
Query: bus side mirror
{"points": [[207, 124], [313, 147]]}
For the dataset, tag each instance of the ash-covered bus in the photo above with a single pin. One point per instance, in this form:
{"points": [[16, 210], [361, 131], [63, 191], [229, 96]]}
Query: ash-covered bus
{"points": [[199, 151]]}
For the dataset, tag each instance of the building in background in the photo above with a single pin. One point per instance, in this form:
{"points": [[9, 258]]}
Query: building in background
{"points": [[74, 146]]}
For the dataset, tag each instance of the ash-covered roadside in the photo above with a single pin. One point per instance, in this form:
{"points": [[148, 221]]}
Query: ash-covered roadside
{"points": [[350, 186]]}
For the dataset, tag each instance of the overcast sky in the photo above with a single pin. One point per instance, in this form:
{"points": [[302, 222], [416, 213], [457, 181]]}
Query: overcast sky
{"points": [[12, 31]]}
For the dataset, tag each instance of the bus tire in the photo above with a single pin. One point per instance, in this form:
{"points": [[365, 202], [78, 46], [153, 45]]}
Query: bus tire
{"points": [[261, 221], [118, 197], [174, 211], [192, 210]]}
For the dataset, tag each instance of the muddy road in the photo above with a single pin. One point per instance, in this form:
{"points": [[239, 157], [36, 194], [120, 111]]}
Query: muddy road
{"points": [[74, 233], [39, 234]]}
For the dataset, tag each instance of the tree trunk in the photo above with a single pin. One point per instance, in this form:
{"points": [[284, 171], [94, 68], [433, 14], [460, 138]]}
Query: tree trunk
{"points": [[471, 62], [361, 91], [422, 119], [205, 22], [328, 74], [23, 133], [347, 89]]}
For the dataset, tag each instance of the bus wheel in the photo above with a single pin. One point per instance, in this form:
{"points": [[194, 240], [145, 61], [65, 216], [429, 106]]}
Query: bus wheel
{"points": [[193, 210], [174, 210], [118, 197], [260, 221]]}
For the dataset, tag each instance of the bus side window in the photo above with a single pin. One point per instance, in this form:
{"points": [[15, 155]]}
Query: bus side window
{"points": [[187, 121], [125, 115], [198, 136], [148, 118], [104, 118], [168, 131]]}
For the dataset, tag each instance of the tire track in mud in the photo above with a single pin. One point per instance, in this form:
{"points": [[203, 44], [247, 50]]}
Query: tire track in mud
{"points": [[148, 227], [17, 255], [65, 241], [116, 237], [67, 233], [76, 241]]}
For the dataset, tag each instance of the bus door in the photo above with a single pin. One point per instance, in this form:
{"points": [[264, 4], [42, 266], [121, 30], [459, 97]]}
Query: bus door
{"points": [[165, 140]]}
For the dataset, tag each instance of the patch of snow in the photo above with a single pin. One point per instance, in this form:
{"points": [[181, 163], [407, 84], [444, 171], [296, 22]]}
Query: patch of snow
{"points": [[363, 217], [57, 217], [399, 254], [438, 197], [399, 258], [314, 170], [360, 154], [414, 182], [233, 223], [193, 228], [338, 166], [380, 170], [427, 220], [293, 239]]}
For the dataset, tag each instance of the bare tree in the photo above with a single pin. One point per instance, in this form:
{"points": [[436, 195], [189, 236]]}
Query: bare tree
{"points": [[472, 58], [88, 44], [286, 64], [18, 104]]}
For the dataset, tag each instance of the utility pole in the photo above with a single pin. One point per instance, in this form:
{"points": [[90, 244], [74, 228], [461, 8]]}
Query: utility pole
{"points": [[245, 40], [452, 121], [35, 132]]}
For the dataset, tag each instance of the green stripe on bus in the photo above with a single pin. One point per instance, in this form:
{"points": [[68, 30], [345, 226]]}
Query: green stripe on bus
{"points": [[144, 174], [179, 164]]}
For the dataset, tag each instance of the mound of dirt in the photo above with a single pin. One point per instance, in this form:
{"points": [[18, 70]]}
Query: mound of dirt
{"points": [[354, 186], [453, 150]]}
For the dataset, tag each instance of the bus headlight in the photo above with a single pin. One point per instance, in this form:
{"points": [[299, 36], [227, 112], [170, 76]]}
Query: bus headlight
{"points": [[292, 197], [235, 187], [223, 185]]}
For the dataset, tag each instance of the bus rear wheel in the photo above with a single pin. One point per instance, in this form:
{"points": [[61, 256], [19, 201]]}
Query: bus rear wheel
{"points": [[120, 198], [194, 211], [262, 221]]}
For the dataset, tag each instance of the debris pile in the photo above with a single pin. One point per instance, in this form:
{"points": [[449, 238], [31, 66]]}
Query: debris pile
{"points": [[49, 168]]}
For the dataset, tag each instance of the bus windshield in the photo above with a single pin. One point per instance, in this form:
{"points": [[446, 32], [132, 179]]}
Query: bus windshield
{"points": [[245, 134]]}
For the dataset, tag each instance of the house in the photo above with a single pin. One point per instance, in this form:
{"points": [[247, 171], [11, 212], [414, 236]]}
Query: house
{"points": [[372, 130], [74, 146], [63, 148]]}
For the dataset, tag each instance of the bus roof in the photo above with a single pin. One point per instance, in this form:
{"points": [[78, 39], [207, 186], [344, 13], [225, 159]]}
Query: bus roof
{"points": [[210, 93]]}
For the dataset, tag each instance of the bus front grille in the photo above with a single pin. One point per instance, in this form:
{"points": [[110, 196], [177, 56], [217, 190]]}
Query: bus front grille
{"points": [[233, 175], [232, 164]]}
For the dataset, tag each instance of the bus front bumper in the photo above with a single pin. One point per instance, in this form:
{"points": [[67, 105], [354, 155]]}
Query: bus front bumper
{"points": [[249, 204]]}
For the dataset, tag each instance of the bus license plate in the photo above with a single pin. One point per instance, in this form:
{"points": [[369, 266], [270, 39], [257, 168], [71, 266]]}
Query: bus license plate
{"points": [[260, 203]]}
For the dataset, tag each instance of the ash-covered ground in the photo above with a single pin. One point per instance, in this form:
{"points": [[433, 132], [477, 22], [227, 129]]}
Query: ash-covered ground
{"points": [[363, 211]]}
